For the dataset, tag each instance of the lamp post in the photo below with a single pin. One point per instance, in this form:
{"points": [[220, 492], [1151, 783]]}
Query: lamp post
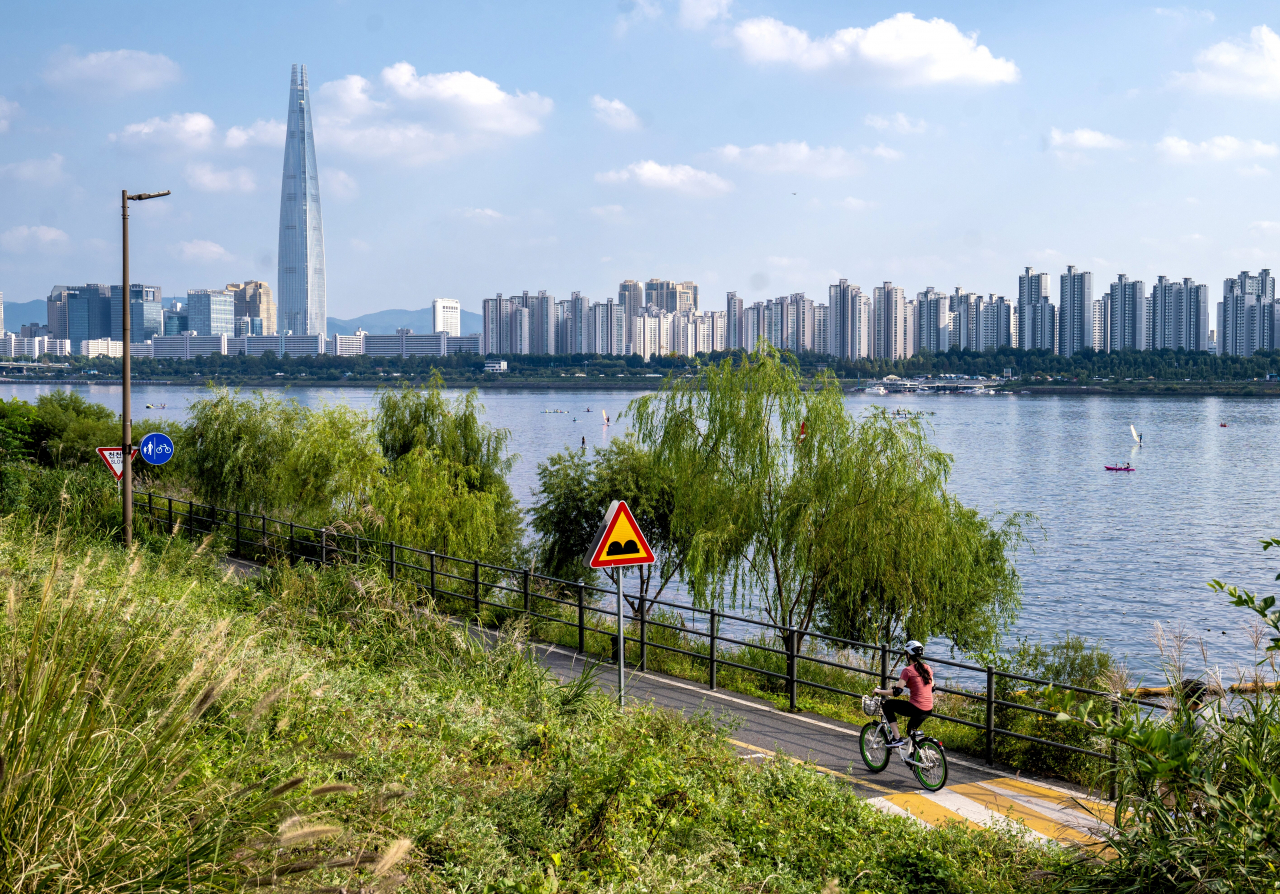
{"points": [[126, 476]]}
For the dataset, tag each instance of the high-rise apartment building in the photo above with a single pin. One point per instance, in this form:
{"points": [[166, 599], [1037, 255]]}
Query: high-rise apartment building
{"points": [[301, 271], [1127, 324], [892, 339], [673, 297], [733, 322], [447, 314], [631, 300], [1246, 314], [849, 315], [1032, 287], [254, 300], [1075, 311], [933, 321]]}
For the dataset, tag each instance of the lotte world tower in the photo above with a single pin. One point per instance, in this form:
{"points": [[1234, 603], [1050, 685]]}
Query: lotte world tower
{"points": [[301, 296]]}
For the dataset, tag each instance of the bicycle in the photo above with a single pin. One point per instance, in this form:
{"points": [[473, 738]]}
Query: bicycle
{"points": [[923, 754]]}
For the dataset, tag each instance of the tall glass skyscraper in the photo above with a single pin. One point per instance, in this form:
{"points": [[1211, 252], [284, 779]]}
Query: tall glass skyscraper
{"points": [[301, 304]]}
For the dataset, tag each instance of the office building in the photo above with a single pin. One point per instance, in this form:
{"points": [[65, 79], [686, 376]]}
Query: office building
{"points": [[301, 271], [447, 313], [255, 299], [1075, 311], [211, 312], [146, 313], [1032, 287]]}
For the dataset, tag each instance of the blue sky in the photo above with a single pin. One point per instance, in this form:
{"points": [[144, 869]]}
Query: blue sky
{"points": [[767, 147]]}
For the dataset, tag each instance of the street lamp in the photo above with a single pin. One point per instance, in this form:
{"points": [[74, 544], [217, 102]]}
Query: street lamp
{"points": [[126, 476]]}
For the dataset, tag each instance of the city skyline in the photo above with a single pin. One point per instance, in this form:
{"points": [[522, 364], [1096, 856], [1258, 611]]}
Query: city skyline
{"points": [[795, 144]]}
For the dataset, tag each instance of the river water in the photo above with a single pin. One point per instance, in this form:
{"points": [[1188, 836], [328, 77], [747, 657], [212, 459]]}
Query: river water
{"points": [[1118, 551]]}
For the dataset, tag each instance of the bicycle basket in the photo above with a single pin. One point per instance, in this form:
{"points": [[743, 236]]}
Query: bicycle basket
{"points": [[871, 705]]}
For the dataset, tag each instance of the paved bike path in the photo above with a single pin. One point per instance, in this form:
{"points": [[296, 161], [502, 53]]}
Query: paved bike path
{"points": [[974, 794]]}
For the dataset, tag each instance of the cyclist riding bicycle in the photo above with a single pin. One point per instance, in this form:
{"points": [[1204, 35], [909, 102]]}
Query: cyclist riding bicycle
{"points": [[917, 679]]}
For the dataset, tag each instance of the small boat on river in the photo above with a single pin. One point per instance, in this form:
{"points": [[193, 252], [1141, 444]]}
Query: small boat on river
{"points": [[1125, 468]]}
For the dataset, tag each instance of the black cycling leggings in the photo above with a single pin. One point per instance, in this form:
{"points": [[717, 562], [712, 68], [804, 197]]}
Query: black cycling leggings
{"points": [[900, 706]]}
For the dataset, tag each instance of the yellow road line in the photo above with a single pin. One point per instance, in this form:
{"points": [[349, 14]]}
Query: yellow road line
{"points": [[998, 803], [1098, 809], [795, 760], [927, 810]]}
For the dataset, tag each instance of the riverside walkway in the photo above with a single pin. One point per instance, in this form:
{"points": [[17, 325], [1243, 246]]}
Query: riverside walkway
{"points": [[975, 794]]}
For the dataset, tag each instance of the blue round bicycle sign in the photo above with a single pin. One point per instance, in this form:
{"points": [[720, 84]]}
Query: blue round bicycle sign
{"points": [[156, 448]]}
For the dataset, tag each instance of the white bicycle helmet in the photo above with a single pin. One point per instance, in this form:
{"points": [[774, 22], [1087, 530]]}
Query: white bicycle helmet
{"points": [[915, 649]]}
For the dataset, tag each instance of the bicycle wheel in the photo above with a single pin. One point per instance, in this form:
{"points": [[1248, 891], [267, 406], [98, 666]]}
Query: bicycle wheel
{"points": [[930, 765], [874, 747]]}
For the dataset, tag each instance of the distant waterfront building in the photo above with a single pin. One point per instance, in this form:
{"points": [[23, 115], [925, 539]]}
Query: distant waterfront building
{"points": [[254, 299], [673, 297], [933, 321], [849, 321], [1075, 311], [1032, 287], [211, 312], [733, 321], [890, 316], [447, 313], [301, 271], [1246, 314], [1126, 316]]}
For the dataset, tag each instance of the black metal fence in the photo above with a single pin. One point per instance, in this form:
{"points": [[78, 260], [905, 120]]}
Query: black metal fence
{"points": [[695, 633]]}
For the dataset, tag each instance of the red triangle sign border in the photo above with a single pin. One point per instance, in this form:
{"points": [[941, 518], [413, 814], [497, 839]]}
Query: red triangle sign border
{"points": [[598, 557]]}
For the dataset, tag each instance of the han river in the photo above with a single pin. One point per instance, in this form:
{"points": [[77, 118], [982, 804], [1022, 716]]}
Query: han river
{"points": [[1118, 551]]}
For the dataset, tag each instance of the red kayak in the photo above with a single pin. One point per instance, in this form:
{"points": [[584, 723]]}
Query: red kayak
{"points": [[1120, 468]]}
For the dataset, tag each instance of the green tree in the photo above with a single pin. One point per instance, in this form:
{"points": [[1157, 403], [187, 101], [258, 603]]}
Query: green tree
{"points": [[780, 493]]}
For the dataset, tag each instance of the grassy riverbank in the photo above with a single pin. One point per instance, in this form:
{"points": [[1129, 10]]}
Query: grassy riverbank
{"points": [[409, 739]]}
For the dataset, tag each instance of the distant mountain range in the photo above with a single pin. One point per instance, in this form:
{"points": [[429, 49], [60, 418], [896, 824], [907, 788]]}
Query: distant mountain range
{"points": [[386, 322], [378, 323]]}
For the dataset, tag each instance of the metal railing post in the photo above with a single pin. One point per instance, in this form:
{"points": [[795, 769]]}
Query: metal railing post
{"points": [[391, 569], [293, 546], [884, 665], [236, 551], [266, 553], [191, 516], [170, 499], [431, 561], [582, 618], [791, 668], [644, 636], [324, 546], [715, 631], [991, 715], [1115, 749], [475, 588], [527, 602]]}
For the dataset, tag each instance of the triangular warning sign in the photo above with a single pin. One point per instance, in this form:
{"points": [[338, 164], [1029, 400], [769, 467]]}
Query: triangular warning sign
{"points": [[619, 541], [114, 458]]}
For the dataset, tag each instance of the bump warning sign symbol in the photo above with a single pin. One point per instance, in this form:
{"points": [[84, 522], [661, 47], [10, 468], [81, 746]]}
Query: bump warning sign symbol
{"points": [[619, 541]]}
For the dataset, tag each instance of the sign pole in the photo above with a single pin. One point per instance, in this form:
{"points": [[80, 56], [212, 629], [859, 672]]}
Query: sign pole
{"points": [[622, 640]]}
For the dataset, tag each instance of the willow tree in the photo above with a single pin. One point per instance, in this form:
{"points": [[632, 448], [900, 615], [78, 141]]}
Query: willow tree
{"points": [[779, 493]]}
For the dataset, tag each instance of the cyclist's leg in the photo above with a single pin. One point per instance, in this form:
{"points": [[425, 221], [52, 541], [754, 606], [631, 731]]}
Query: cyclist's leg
{"points": [[918, 717], [892, 708]]}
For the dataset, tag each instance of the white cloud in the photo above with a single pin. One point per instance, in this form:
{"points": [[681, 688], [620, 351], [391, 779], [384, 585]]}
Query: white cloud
{"points": [[855, 204], [903, 49], [885, 152], [21, 239], [1238, 67], [609, 213], [192, 130], [36, 170], [899, 123], [1083, 138], [259, 133], [340, 184], [795, 157], [1183, 15], [633, 12], [207, 178], [487, 215], [349, 97], [678, 178], [480, 102], [614, 112], [7, 112], [698, 14], [1254, 170], [114, 71], [1217, 149], [1265, 226], [202, 250], [408, 142]]}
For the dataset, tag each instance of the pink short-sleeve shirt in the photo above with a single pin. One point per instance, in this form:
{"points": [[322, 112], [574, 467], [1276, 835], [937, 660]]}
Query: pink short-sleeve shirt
{"points": [[921, 692]]}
